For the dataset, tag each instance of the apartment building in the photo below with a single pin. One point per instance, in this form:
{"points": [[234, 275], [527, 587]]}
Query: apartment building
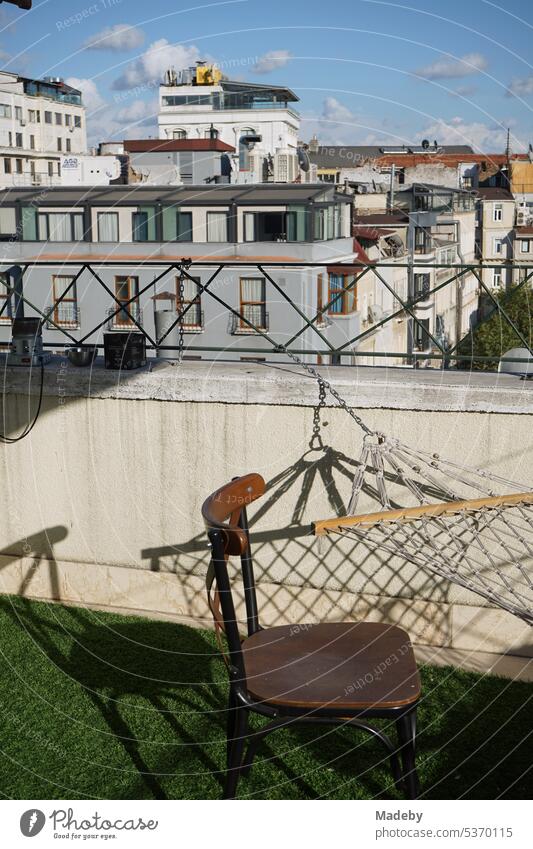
{"points": [[495, 225], [128, 233], [40, 122], [259, 121], [432, 229]]}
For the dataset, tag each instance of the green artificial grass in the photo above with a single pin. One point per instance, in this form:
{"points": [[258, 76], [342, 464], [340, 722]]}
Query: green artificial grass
{"points": [[113, 707]]}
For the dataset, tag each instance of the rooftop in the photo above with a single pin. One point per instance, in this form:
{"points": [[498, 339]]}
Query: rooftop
{"points": [[494, 193], [345, 156], [170, 145], [131, 195]]}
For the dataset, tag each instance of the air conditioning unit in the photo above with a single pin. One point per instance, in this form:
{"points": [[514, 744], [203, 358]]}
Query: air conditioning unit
{"points": [[257, 166], [523, 216], [286, 168]]}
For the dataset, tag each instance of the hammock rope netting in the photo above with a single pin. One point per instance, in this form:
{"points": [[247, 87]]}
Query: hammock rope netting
{"points": [[467, 525]]}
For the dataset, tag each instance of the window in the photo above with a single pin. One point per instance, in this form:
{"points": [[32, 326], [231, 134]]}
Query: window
{"points": [[211, 133], [421, 334], [524, 246], [253, 303], [126, 289], [18, 113], [422, 285], [179, 134], [5, 110], [32, 142], [47, 117], [18, 140], [60, 145], [60, 226], [191, 302], [140, 226], [18, 166], [67, 142], [8, 221], [34, 116], [67, 120], [422, 241], [496, 277], [498, 246], [217, 227], [50, 169], [77, 121], [184, 227], [7, 165], [342, 300], [59, 119], [6, 307], [65, 313], [497, 212], [107, 226], [10, 139]]}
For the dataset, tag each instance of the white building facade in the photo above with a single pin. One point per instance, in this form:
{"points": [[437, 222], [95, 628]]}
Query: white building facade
{"points": [[259, 121], [41, 121]]}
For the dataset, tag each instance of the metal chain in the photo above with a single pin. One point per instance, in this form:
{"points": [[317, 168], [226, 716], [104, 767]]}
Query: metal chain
{"points": [[315, 443], [181, 291], [323, 386]]}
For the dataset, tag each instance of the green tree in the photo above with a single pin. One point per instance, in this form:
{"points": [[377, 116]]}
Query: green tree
{"points": [[493, 336]]}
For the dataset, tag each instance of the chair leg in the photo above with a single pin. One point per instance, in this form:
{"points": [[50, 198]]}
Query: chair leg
{"points": [[406, 727], [230, 727], [235, 751]]}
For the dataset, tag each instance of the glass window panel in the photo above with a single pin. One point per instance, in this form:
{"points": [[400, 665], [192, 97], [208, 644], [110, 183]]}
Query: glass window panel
{"points": [[108, 227], [217, 227], [7, 220]]}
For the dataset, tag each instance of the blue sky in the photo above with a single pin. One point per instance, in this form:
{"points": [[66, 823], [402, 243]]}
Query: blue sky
{"points": [[366, 71]]}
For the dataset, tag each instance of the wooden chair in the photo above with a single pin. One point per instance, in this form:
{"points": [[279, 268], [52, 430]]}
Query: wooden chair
{"points": [[336, 673]]}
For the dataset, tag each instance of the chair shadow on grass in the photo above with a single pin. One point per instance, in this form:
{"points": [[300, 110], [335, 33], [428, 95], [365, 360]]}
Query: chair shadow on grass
{"points": [[133, 669]]}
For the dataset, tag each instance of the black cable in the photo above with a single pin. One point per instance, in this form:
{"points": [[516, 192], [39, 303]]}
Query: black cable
{"points": [[10, 440]]}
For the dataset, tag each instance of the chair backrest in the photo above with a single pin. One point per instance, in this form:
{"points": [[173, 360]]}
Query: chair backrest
{"points": [[226, 521]]}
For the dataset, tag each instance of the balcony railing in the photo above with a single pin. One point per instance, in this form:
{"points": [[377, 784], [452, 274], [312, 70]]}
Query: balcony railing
{"points": [[63, 315], [124, 318], [249, 322], [301, 326]]}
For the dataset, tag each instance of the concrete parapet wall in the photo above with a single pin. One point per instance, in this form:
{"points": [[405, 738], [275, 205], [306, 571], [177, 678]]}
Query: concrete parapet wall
{"points": [[101, 503]]}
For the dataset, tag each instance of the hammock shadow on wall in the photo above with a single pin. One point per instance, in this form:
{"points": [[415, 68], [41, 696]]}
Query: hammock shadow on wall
{"points": [[289, 558]]}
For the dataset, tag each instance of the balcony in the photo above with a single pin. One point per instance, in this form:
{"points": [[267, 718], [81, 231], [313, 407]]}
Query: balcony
{"points": [[63, 315], [121, 320], [260, 322]]}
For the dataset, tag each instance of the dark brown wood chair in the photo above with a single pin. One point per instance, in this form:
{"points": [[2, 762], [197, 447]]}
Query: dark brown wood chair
{"points": [[336, 673]]}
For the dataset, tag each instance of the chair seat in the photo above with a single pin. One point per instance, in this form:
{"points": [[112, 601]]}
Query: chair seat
{"points": [[347, 665]]}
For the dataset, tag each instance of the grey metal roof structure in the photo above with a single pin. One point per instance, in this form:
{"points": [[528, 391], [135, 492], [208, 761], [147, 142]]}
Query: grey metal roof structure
{"points": [[133, 195]]}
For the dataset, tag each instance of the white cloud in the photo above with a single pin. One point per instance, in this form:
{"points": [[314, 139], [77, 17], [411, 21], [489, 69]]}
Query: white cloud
{"points": [[107, 121], [149, 68], [118, 37], [481, 137], [271, 61], [463, 91], [91, 97], [333, 111], [448, 68], [521, 86]]}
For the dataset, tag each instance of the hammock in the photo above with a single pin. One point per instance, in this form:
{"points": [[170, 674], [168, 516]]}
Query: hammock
{"points": [[466, 525]]}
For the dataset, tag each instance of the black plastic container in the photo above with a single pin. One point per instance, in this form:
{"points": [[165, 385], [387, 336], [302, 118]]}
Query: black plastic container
{"points": [[124, 350]]}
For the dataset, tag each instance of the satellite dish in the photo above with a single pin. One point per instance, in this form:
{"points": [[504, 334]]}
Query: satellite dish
{"points": [[303, 159], [525, 368], [425, 143]]}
